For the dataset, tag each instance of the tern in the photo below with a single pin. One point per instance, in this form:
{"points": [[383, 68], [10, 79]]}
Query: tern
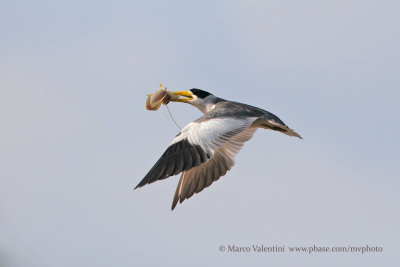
{"points": [[205, 149]]}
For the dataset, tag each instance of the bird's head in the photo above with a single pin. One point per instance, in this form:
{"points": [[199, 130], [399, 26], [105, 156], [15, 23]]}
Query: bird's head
{"points": [[201, 99]]}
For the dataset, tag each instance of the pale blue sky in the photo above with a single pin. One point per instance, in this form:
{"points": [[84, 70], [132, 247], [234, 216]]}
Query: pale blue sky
{"points": [[75, 137]]}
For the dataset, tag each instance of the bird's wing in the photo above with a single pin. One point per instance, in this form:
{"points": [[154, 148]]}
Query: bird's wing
{"points": [[196, 179], [195, 144]]}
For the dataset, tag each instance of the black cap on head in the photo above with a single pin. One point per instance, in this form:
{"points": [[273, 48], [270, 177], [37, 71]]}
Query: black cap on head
{"points": [[199, 93]]}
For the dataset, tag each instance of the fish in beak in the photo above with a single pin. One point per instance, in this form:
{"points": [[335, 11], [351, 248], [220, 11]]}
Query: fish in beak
{"points": [[155, 100]]}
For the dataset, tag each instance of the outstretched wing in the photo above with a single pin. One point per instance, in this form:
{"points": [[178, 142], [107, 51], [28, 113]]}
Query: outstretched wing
{"points": [[196, 144], [196, 179]]}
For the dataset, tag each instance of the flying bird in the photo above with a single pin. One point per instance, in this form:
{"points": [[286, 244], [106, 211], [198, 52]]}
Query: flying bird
{"points": [[205, 149]]}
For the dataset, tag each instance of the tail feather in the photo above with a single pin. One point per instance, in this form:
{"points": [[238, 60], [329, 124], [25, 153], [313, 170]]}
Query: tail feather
{"points": [[273, 125]]}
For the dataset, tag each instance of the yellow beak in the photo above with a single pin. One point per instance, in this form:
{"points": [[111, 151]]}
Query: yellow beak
{"points": [[175, 96]]}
